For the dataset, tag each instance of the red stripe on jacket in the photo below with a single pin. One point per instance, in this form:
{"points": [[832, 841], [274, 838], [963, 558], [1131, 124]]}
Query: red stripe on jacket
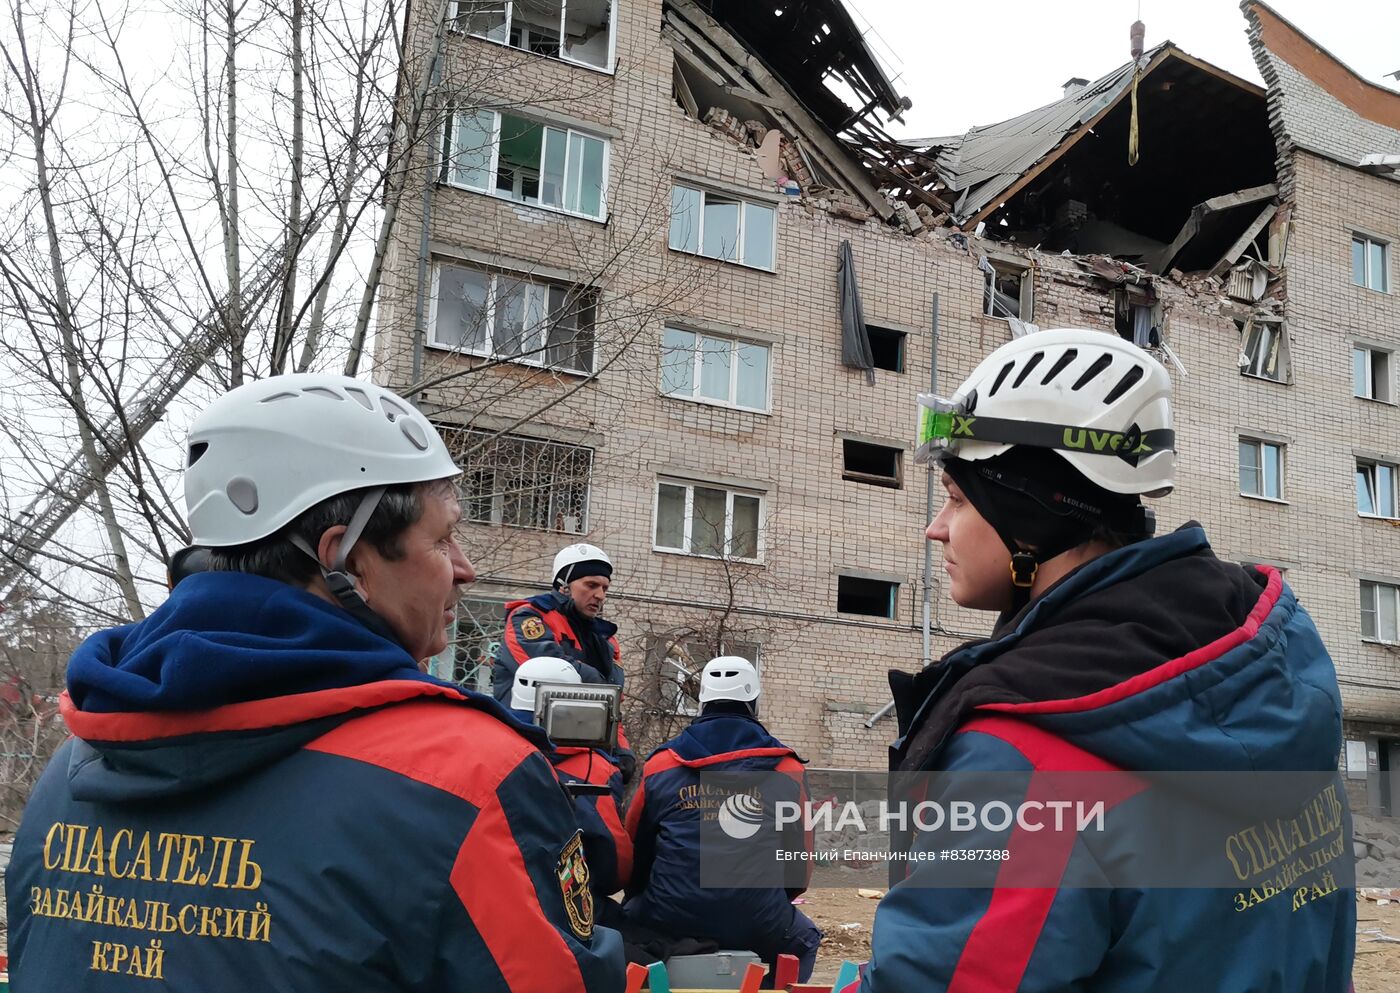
{"points": [[469, 754], [1167, 670], [251, 715], [999, 949]]}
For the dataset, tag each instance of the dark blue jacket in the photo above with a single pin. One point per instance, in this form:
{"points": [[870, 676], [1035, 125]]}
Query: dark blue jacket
{"points": [[1155, 657], [263, 794], [546, 625], [665, 824]]}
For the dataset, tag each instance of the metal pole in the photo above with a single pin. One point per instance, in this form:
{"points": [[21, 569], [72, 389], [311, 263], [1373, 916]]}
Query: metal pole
{"points": [[928, 500], [928, 516], [429, 181]]}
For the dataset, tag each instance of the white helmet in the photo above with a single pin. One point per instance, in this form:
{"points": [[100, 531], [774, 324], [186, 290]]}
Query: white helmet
{"points": [[570, 557], [1100, 402], [729, 677], [264, 453], [533, 672]]}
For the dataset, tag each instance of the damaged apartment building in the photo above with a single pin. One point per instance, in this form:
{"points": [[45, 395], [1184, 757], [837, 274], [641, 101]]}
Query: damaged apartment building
{"points": [[672, 286]]}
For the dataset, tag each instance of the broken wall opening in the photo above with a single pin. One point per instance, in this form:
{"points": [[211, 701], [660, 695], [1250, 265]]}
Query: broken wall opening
{"points": [[1201, 135]]}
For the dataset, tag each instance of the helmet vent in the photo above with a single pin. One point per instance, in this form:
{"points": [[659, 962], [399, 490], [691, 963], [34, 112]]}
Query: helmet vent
{"points": [[1126, 383], [1001, 376], [360, 397], [392, 410], [284, 395], [197, 450], [1100, 364], [321, 391], [1069, 356], [1026, 369]]}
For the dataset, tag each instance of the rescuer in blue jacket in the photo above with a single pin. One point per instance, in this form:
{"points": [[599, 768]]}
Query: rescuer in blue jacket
{"points": [[605, 840], [1115, 651], [666, 893], [263, 790]]}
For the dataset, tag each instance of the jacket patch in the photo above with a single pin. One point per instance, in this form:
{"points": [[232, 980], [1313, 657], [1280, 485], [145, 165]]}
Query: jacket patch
{"points": [[572, 871], [532, 628]]}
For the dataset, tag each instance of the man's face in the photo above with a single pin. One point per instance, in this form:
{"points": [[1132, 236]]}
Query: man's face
{"points": [[588, 594], [417, 594], [974, 556]]}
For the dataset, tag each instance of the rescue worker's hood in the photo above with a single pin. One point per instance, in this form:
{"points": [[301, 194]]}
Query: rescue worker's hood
{"points": [[231, 673], [725, 736], [1157, 656]]}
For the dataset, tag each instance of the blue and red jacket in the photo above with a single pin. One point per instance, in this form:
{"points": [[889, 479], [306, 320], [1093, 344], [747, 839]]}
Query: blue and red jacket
{"points": [[545, 625], [605, 840], [261, 793], [666, 892], [1154, 657]]}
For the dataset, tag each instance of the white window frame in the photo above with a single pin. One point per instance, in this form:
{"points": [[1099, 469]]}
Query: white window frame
{"points": [[688, 518], [1259, 445], [454, 9], [1377, 590], [448, 150], [1025, 293], [1252, 365], [499, 493], [1386, 381], [697, 363], [1364, 464], [744, 204], [1368, 276], [537, 356]]}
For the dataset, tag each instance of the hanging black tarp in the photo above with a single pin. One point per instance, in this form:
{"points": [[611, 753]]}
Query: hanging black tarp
{"points": [[855, 341]]}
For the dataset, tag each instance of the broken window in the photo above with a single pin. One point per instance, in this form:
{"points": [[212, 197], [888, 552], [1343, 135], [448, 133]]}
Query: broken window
{"points": [[1375, 489], [1370, 373], [514, 317], [712, 368], [724, 227], [713, 521], [886, 347], [870, 597], [1370, 263], [523, 160], [522, 482], [1380, 611], [1264, 351], [575, 30], [1261, 469], [1136, 318], [864, 462], [1006, 292]]}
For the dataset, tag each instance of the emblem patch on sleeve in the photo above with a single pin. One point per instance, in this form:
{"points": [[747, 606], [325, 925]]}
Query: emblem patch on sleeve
{"points": [[573, 884], [532, 628]]}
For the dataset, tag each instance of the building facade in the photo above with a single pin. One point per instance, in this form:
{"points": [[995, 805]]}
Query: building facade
{"points": [[626, 307]]}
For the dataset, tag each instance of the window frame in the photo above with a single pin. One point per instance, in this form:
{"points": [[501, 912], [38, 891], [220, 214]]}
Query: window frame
{"points": [[894, 482], [901, 346], [1025, 295], [894, 586], [454, 10], [1388, 379], [1378, 589], [1367, 242], [1363, 464], [447, 152], [745, 203], [499, 493], [688, 518], [697, 364], [1259, 445], [1253, 368], [537, 357]]}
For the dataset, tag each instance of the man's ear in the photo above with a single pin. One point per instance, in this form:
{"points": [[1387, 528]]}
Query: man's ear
{"points": [[328, 548]]}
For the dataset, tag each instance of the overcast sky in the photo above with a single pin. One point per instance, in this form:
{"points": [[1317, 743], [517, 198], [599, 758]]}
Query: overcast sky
{"points": [[980, 61]]}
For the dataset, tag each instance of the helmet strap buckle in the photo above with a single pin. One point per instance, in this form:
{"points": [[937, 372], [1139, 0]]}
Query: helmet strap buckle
{"points": [[1023, 569]]}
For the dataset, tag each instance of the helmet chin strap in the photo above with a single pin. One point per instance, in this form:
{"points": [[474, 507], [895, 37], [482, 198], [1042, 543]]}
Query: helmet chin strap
{"points": [[339, 581]]}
